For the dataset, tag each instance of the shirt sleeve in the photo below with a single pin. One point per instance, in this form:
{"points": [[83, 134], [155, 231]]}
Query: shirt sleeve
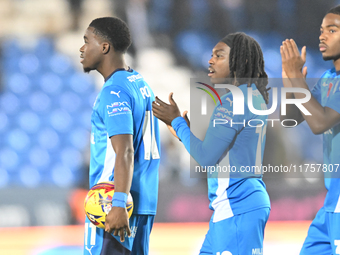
{"points": [[316, 91], [334, 99], [116, 111], [209, 151]]}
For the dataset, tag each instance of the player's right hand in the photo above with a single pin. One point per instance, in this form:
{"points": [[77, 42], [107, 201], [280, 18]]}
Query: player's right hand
{"points": [[185, 116], [285, 80], [117, 221], [292, 60], [165, 112]]}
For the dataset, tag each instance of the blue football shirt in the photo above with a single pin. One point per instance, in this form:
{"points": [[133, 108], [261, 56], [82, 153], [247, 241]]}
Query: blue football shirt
{"points": [[238, 148], [123, 106], [327, 92]]}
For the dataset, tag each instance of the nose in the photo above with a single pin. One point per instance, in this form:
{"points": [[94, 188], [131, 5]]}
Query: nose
{"points": [[211, 61], [82, 48], [322, 37]]}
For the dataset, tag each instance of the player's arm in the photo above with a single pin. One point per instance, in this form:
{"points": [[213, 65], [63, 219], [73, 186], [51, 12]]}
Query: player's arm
{"points": [[117, 116], [292, 111], [185, 116], [123, 147], [210, 150], [321, 118], [206, 152], [117, 219]]}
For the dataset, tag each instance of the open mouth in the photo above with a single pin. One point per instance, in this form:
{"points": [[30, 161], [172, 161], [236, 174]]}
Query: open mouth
{"points": [[211, 72]]}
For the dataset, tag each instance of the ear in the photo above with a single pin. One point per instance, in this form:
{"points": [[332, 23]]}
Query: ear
{"points": [[106, 48]]}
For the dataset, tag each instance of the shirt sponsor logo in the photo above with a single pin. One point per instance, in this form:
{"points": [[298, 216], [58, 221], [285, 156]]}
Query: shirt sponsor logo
{"points": [[115, 93], [119, 109], [224, 110], [117, 104], [230, 101], [89, 250], [222, 116], [132, 78]]}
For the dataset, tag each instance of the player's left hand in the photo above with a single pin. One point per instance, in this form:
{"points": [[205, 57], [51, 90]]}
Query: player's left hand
{"points": [[292, 60], [117, 221], [166, 112]]}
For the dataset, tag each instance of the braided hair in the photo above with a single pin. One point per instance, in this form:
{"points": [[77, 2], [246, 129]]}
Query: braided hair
{"points": [[246, 63]]}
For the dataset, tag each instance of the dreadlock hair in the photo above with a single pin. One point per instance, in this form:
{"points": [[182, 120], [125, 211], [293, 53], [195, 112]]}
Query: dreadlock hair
{"points": [[335, 10], [246, 63], [113, 30]]}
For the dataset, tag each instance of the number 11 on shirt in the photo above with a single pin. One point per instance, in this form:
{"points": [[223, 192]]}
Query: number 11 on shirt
{"points": [[149, 139]]}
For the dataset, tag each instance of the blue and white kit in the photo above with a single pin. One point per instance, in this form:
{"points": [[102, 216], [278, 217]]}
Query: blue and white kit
{"points": [[324, 235], [123, 106], [242, 194]]}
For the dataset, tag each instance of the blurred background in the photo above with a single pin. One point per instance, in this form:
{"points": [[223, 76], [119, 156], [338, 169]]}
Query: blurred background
{"points": [[46, 101]]}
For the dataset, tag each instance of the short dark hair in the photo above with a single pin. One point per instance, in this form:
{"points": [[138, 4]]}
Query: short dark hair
{"points": [[246, 63], [114, 30], [335, 10]]}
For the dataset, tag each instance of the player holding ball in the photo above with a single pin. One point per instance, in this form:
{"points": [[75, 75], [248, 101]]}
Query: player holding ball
{"points": [[124, 142]]}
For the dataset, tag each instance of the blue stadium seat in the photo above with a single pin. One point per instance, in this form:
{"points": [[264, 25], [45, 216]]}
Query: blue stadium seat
{"points": [[29, 63], [39, 102], [39, 158], [60, 120], [9, 103], [18, 83], [51, 83], [70, 101], [18, 140], [77, 138], [4, 123], [29, 121], [44, 117], [9, 159], [60, 64], [80, 83], [71, 158], [62, 176], [48, 139], [29, 176]]}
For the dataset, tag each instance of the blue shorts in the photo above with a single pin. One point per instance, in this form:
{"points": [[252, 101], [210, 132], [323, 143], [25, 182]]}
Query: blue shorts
{"points": [[323, 235], [99, 242], [240, 234]]}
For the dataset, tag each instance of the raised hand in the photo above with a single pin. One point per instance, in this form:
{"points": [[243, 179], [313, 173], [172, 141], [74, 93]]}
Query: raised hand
{"points": [[292, 60], [165, 112]]}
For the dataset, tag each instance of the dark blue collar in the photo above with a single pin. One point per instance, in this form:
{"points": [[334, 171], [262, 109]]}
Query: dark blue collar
{"points": [[117, 70]]}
